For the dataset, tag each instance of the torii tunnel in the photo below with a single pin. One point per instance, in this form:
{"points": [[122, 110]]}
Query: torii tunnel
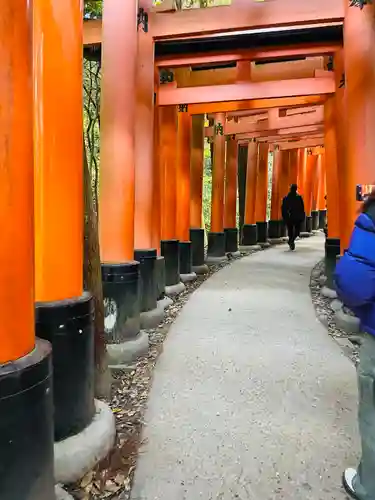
{"points": [[289, 83]]}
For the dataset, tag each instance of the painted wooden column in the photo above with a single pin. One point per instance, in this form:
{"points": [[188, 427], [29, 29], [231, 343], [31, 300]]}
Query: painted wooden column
{"points": [[249, 230], [284, 182], [332, 246], [359, 53], [322, 204], [262, 194], [216, 237], [184, 132], [315, 193], [301, 170], [117, 181], [59, 209], [275, 226], [197, 232], [26, 419], [58, 161], [230, 215], [293, 166]]}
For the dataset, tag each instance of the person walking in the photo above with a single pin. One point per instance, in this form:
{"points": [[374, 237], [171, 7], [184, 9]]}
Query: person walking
{"points": [[293, 213], [355, 286]]}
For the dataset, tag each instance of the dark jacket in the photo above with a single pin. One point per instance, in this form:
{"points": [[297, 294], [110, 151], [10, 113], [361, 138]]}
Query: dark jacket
{"points": [[355, 271], [293, 209]]}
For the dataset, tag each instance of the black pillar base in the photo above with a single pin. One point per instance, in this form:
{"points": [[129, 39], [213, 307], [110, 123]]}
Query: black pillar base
{"points": [[69, 326], [147, 270], [197, 246], [274, 229], [160, 277], [322, 219], [122, 304], [170, 250], [216, 245], [249, 235], [26, 427], [315, 220], [185, 257], [332, 250], [231, 240], [308, 224], [262, 232]]}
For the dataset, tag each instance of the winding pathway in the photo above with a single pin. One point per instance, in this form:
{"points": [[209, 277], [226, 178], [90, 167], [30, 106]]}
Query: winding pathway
{"points": [[251, 398]]}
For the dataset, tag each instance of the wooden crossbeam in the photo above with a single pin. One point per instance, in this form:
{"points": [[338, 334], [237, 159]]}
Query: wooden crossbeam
{"points": [[168, 96]]}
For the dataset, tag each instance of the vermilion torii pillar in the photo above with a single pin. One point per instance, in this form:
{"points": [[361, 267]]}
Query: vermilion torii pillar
{"points": [[26, 421], [275, 223], [196, 195], [117, 182], [184, 126], [145, 185], [216, 237], [315, 193], [359, 81], [59, 212], [249, 229], [311, 163], [262, 194], [230, 214], [322, 192]]}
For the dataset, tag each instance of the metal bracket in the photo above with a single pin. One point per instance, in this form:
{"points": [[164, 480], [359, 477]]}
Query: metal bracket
{"points": [[330, 65], [182, 108], [166, 76], [143, 19], [219, 129]]}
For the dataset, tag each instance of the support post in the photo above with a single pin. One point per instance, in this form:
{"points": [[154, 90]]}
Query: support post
{"points": [[275, 223], [315, 194], [216, 237], [62, 307], [230, 215], [242, 166], [26, 407], [117, 183], [249, 229], [262, 195], [359, 47], [196, 195], [333, 212], [322, 206], [311, 163]]}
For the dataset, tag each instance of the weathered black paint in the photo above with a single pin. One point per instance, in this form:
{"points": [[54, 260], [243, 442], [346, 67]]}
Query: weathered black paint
{"points": [[274, 229], [249, 234], [160, 277], [262, 232], [231, 239], [170, 252], [147, 272], [322, 219], [121, 289], [303, 226], [185, 257], [332, 250], [315, 220], [216, 245], [197, 246], [308, 224], [69, 326], [26, 427]]}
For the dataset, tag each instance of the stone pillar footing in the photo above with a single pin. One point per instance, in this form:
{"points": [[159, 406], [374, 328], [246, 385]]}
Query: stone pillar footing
{"points": [[77, 455], [173, 290], [160, 277], [249, 235], [197, 249], [231, 240], [200, 270], [216, 248], [122, 321], [151, 316], [26, 426], [69, 326], [187, 278]]}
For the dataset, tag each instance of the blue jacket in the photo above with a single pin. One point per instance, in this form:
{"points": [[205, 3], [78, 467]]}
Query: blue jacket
{"points": [[355, 273]]}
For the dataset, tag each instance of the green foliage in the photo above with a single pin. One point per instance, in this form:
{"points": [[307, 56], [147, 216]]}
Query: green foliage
{"points": [[93, 9]]}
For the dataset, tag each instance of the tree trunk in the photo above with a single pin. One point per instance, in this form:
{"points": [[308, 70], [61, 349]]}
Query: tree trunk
{"points": [[93, 283]]}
